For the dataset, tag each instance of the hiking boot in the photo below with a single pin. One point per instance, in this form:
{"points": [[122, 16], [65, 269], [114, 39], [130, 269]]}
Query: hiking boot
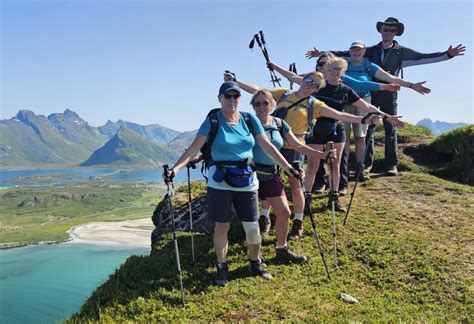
{"points": [[285, 255], [365, 175], [337, 204], [222, 275], [256, 269], [307, 204], [318, 188], [264, 224], [296, 231], [343, 191], [392, 171]]}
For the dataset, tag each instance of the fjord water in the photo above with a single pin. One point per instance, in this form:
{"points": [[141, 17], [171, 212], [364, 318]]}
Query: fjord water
{"points": [[69, 175], [47, 284]]}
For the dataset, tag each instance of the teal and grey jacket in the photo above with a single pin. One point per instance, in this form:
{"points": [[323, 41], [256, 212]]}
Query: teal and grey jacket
{"points": [[398, 57]]}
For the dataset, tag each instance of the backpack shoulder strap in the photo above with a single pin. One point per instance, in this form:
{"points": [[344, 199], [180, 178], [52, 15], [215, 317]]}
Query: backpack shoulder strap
{"points": [[283, 96], [310, 106], [279, 125], [214, 128], [248, 121]]}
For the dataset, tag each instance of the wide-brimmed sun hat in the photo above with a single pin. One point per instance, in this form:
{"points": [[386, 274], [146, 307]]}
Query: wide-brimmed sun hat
{"points": [[393, 22]]}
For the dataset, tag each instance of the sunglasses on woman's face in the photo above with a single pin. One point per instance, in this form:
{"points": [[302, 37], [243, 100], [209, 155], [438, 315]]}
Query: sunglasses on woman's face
{"points": [[389, 30], [257, 104], [309, 81], [321, 63], [228, 96], [335, 68]]}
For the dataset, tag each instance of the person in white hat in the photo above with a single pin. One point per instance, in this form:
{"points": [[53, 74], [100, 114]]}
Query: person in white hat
{"points": [[392, 57]]}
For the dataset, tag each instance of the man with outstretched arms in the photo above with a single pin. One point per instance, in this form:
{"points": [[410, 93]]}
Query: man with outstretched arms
{"points": [[392, 57]]}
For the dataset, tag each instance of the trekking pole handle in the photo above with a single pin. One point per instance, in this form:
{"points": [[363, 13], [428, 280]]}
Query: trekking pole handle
{"points": [[258, 40], [168, 178], [232, 73], [191, 165], [329, 146], [364, 119], [262, 37]]}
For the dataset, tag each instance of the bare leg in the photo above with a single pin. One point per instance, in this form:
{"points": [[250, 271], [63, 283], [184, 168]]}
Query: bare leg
{"points": [[312, 168], [359, 148], [254, 251], [265, 204], [282, 212], [221, 243], [297, 195]]}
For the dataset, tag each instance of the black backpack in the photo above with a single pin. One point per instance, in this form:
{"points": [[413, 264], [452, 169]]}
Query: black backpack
{"points": [[279, 127], [206, 148]]}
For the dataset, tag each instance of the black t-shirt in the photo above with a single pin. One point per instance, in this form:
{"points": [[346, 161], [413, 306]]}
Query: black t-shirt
{"points": [[335, 97]]}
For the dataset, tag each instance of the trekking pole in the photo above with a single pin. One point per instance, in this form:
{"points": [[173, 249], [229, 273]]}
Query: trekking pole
{"points": [[170, 185], [313, 224], [264, 44], [189, 166], [273, 76], [360, 168], [292, 69], [330, 146]]}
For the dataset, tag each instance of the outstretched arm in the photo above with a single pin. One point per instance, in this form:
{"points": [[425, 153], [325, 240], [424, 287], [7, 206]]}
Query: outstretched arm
{"points": [[364, 106], [193, 149], [411, 57], [292, 77], [315, 53], [348, 118], [418, 86], [359, 85], [248, 87], [304, 149]]}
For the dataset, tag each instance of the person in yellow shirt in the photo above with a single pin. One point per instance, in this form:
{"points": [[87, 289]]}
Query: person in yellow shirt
{"points": [[299, 103]]}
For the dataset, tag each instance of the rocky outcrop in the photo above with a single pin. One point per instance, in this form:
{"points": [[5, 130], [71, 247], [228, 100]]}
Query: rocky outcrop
{"points": [[162, 220]]}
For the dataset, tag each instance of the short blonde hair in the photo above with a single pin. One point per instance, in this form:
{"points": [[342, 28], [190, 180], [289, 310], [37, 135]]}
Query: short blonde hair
{"points": [[336, 61], [319, 75], [267, 94]]}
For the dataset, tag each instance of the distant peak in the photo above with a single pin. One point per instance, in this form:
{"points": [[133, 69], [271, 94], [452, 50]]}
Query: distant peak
{"points": [[24, 115], [70, 113]]}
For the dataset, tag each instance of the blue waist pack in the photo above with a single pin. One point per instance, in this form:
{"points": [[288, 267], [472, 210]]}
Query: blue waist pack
{"points": [[234, 176]]}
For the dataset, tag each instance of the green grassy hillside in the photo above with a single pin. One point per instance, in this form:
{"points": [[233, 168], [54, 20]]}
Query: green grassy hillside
{"points": [[405, 254]]}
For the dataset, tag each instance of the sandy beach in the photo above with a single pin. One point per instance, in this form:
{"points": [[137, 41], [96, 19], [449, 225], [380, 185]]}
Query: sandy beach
{"points": [[134, 233]]}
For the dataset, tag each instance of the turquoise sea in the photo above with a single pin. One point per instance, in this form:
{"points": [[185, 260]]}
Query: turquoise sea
{"points": [[48, 283], [8, 177]]}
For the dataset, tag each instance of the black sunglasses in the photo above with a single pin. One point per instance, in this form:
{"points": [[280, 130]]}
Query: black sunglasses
{"points": [[389, 30], [320, 64], [263, 103], [235, 96]]}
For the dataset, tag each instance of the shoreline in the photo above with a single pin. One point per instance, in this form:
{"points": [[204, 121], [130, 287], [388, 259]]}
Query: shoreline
{"points": [[133, 233], [130, 233]]}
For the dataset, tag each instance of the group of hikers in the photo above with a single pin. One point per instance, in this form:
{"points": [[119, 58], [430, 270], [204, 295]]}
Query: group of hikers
{"points": [[349, 90]]}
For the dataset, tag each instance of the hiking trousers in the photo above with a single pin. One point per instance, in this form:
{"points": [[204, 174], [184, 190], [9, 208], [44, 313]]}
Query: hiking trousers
{"points": [[387, 102]]}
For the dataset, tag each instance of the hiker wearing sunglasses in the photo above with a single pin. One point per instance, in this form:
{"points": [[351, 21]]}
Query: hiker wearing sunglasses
{"points": [[336, 95], [232, 179], [359, 85], [392, 57], [300, 110], [271, 189]]}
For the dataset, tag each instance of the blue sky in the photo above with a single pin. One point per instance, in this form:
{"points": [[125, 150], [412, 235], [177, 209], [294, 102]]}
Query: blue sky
{"points": [[162, 61]]}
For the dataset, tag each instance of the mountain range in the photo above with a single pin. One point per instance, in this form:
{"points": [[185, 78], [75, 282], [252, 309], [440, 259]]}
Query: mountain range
{"points": [[65, 138], [439, 127]]}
